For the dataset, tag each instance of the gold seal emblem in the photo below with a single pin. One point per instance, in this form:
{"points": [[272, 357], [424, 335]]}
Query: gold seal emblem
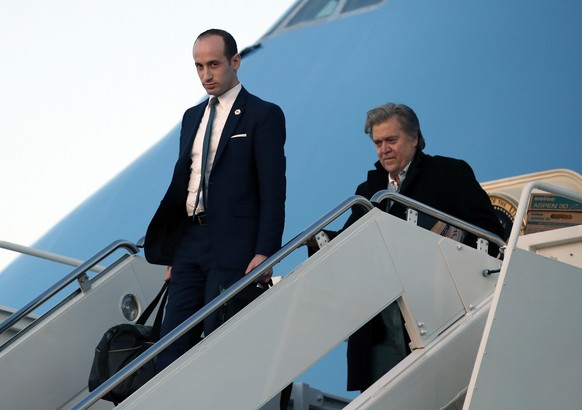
{"points": [[505, 208]]}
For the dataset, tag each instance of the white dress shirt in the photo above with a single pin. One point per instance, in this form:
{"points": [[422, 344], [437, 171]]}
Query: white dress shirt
{"points": [[223, 107]]}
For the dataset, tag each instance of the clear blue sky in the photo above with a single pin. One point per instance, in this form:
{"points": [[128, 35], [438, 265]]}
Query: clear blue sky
{"points": [[86, 87]]}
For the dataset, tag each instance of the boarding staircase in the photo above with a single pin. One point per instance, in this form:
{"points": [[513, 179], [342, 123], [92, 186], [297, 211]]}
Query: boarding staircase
{"points": [[45, 358], [513, 350], [444, 289]]}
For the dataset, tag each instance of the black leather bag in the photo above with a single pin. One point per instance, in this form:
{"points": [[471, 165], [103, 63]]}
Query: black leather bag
{"points": [[241, 299], [123, 343]]}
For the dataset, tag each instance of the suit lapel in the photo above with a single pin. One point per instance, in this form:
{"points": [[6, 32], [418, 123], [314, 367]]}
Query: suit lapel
{"points": [[187, 135], [193, 125], [236, 113], [412, 172], [377, 179]]}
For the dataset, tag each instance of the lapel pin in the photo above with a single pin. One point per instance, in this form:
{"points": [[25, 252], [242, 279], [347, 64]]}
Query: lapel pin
{"points": [[237, 112]]}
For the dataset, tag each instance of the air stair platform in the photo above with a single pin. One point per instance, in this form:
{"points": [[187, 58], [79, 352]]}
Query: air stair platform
{"points": [[448, 293]]}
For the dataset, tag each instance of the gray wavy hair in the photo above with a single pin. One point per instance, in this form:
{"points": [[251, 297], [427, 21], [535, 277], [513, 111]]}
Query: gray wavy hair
{"points": [[406, 116]]}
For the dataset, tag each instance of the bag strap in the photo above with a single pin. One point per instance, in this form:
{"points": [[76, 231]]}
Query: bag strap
{"points": [[158, 321], [162, 294]]}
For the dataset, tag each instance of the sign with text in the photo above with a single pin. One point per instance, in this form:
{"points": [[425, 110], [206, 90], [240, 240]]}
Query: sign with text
{"points": [[547, 212]]}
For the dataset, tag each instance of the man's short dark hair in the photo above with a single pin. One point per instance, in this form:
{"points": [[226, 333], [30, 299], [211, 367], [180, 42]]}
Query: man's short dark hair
{"points": [[230, 47], [406, 116]]}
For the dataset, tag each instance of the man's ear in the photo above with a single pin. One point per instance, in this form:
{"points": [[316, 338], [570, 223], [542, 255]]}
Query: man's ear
{"points": [[235, 61]]}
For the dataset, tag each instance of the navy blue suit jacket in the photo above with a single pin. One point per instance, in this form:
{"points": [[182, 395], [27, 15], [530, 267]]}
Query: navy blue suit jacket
{"points": [[246, 188]]}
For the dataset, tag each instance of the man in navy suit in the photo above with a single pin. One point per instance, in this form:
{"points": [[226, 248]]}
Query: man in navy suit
{"points": [[214, 226]]}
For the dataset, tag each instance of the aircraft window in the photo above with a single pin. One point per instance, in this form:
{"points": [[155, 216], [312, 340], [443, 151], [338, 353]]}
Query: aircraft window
{"points": [[314, 9], [318, 11], [351, 5]]}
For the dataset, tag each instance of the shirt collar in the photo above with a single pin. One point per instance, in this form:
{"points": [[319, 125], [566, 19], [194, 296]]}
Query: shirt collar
{"points": [[227, 99], [401, 175]]}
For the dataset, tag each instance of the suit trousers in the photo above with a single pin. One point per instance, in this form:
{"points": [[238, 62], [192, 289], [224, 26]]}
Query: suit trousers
{"points": [[196, 280]]}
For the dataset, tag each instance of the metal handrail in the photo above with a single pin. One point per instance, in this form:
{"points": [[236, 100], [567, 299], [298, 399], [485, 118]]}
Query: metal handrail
{"points": [[77, 274], [524, 205], [53, 257], [224, 297], [411, 203]]}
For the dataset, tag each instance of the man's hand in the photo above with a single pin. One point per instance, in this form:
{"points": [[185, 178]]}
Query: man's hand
{"points": [[256, 261], [168, 274]]}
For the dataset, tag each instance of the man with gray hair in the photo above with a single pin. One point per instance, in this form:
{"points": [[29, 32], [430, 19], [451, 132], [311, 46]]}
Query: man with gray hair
{"points": [[446, 184]]}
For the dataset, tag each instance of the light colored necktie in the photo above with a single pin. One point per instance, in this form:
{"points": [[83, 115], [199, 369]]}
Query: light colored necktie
{"points": [[392, 187], [204, 158]]}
